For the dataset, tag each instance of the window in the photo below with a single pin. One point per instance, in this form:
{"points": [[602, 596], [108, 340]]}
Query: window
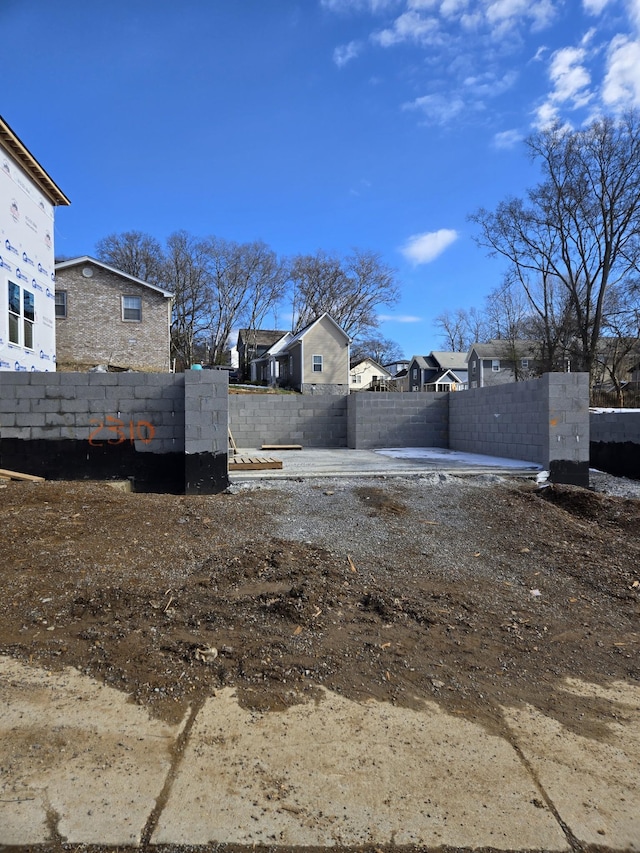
{"points": [[317, 363], [61, 303], [22, 315], [132, 308], [495, 365], [524, 363], [357, 379], [415, 372]]}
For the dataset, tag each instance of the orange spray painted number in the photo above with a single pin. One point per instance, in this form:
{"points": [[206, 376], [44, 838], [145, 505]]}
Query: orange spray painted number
{"points": [[133, 431]]}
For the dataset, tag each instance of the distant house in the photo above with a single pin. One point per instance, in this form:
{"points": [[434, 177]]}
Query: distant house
{"points": [[107, 317], [315, 360], [438, 371], [367, 374], [252, 344], [499, 361], [27, 289]]}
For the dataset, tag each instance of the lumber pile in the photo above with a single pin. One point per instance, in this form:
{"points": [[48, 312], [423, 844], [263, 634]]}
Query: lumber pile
{"points": [[253, 463], [16, 475]]}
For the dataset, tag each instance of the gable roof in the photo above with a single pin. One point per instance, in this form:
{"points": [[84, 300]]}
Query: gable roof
{"points": [[504, 349], [302, 332], [450, 376], [375, 364], [450, 360], [86, 259], [19, 151], [260, 337]]}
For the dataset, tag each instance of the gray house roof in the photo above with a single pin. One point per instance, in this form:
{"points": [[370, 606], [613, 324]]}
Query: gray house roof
{"points": [[260, 337], [504, 349]]}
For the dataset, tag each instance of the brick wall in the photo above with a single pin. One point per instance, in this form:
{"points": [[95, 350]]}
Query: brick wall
{"points": [[94, 332]]}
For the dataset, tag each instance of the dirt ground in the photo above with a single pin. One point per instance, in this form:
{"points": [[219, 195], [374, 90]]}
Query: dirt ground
{"points": [[473, 594]]}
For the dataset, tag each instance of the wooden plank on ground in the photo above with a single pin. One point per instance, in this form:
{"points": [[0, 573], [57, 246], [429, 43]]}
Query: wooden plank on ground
{"points": [[281, 447], [16, 475], [254, 463]]}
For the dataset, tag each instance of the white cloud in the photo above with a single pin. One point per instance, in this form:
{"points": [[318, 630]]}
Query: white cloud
{"points": [[437, 109], [545, 115], [507, 139], [621, 87], [374, 6], [409, 27], [594, 7], [346, 52], [424, 248], [399, 318], [570, 77]]}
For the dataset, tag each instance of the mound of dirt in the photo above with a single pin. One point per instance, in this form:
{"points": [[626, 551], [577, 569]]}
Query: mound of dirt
{"points": [[475, 594]]}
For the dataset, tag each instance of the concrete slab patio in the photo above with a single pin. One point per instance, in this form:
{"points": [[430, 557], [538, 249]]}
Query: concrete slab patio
{"points": [[80, 765], [386, 462]]}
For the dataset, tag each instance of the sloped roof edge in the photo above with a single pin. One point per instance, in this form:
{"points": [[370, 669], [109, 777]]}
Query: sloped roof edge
{"points": [[87, 259], [12, 142]]}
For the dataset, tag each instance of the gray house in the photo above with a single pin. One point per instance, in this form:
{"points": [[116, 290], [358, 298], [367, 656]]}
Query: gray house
{"points": [[107, 317], [499, 361], [438, 371]]}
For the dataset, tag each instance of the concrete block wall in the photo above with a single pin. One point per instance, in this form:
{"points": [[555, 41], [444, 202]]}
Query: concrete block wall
{"points": [[310, 420], [619, 426], [145, 410], [388, 419], [615, 442], [114, 425], [544, 420], [206, 442]]}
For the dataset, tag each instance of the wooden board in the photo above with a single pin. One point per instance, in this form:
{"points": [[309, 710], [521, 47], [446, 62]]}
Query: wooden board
{"points": [[281, 447], [254, 463], [15, 475]]}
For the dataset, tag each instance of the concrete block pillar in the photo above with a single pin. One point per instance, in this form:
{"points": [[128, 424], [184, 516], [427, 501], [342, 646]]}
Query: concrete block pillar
{"points": [[206, 443], [567, 444]]}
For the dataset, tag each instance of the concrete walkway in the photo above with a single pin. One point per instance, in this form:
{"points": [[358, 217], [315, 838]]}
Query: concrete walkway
{"points": [[79, 764], [398, 462]]}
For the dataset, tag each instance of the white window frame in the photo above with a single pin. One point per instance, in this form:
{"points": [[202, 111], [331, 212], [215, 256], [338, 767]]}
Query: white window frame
{"points": [[23, 315], [126, 308], [357, 378], [524, 363], [495, 365], [316, 363], [61, 304]]}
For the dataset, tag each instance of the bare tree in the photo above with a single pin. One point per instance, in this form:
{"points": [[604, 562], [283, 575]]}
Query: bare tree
{"points": [[350, 289], [248, 280], [186, 271], [619, 347], [579, 232], [461, 328], [380, 349], [134, 253]]}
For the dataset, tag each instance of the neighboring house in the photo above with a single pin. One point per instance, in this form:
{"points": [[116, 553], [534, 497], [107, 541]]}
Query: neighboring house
{"points": [[28, 197], [252, 344], [438, 371], [105, 317], [367, 374], [498, 362], [315, 360]]}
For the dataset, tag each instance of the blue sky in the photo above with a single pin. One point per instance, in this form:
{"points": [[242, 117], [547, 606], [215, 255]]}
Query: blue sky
{"points": [[310, 124]]}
